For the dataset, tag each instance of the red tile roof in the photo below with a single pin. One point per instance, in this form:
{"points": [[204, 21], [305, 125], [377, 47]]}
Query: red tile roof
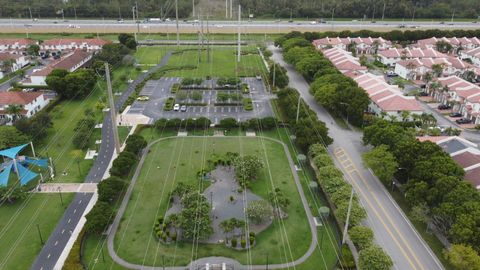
{"points": [[13, 41], [19, 98], [76, 41], [467, 159], [434, 139], [473, 177], [8, 56], [67, 63]]}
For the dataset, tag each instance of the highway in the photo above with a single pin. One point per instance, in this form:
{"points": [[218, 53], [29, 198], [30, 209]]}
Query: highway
{"points": [[393, 231], [215, 26]]}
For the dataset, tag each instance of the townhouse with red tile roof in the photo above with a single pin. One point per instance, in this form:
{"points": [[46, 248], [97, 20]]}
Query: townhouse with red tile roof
{"points": [[367, 45]]}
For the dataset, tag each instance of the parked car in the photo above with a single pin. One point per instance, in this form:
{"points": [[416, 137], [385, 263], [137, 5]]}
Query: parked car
{"points": [[259, 78], [423, 94], [444, 107], [455, 114], [463, 121], [391, 73], [176, 107], [143, 98], [183, 108]]}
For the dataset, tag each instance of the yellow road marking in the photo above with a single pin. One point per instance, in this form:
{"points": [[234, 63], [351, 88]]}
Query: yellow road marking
{"points": [[384, 212]]}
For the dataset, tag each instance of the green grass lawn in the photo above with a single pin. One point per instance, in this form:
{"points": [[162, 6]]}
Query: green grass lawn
{"points": [[177, 160], [18, 228], [152, 55], [223, 63]]}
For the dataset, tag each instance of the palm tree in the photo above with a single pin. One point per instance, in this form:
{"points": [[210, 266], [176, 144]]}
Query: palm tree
{"points": [[383, 114], [411, 66], [437, 69], [405, 116], [14, 110], [392, 118], [227, 226], [375, 45], [7, 65]]}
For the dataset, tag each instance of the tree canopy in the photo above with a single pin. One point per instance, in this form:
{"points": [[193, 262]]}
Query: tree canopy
{"points": [[72, 85]]}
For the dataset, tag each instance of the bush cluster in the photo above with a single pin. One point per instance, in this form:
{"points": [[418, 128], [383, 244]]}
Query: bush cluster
{"points": [[177, 123], [247, 104], [308, 129], [169, 103], [192, 81]]}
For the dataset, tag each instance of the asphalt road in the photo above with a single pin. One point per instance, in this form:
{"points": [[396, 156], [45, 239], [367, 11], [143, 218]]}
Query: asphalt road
{"points": [[216, 26], [392, 229], [57, 241]]}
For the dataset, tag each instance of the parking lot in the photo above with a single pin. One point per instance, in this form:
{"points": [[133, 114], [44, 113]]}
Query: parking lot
{"points": [[159, 91]]}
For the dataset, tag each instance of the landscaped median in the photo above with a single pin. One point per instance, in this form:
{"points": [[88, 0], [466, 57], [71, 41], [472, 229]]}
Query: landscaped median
{"points": [[338, 192]]}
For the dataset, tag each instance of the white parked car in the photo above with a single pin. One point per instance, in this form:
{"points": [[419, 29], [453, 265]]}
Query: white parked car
{"points": [[183, 108], [176, 107]]}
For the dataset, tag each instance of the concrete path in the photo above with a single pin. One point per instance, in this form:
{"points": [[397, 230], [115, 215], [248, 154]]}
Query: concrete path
{"points": [[66, 188], [212, 260], [393, 230]]}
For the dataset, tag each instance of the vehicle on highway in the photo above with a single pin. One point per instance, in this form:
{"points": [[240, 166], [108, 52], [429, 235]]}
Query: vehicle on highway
{"points": [[259, 78], [444, 107], [183, 108], [463, 121], [455, 114], [313, 22], [120, 21], [176, 107], [401, 26], [143, 98]]}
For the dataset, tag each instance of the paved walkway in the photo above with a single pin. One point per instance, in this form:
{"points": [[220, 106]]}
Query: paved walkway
{"points": [[67, 188], [212, 260]]}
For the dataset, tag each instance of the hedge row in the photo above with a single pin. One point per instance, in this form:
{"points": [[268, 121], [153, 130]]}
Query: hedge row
{"points": [[334, 185], [247, 104]]}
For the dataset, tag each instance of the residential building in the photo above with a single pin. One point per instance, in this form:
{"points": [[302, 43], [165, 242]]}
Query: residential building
{"points": [[416, 69], [462, 43], [391, 56], [70, 62], [15, 44], [465, 153], [71, 44], [17, 61], [463, 95], [361, 45], [473, 55], [344, 61], [387, 100], [31, 102]]}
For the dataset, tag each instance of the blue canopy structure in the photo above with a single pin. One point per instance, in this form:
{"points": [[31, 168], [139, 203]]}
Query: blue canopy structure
{"points": [[20, 167], [25, 174], [12, 152], [37, 162], [5, 174]]}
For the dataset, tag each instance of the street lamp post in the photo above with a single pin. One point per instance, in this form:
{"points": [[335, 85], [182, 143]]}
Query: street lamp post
{"points": [[60, 193], [347, 104]]}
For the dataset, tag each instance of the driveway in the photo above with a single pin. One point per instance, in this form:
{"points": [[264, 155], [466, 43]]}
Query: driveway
{"points": [[393, 231]]}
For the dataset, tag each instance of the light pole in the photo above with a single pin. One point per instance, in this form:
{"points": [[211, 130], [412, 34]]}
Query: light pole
{"points": [[348, 217], [266, 262], [298, 106], [60, 193], [346, 104]]}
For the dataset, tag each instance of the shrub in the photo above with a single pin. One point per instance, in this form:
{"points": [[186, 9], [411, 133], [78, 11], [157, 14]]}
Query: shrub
{"points": [[228, 123], [234, 242], [252, 240], [347, 260], [374, 258], [98, 218], [175, 88], [322, 160], [122, 165], [247, 104], [135, 143], [243, 242], [169, 104], [361, 236]]}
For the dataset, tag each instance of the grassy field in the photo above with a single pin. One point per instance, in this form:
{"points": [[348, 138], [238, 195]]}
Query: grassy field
{"points": [[177, 160], [223, 63], [18, 228]]}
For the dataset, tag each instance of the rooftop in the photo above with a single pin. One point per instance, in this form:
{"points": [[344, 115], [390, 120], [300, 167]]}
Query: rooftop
{"points": [[18, 98]]}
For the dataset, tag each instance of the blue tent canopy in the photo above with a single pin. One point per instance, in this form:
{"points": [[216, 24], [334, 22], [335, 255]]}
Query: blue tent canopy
{"points": [[37, 162], [25, 174], [12, 152], [4, 175]]}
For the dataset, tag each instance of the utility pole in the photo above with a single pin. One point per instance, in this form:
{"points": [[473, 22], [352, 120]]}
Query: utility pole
{"points": [[383, 12], [176, 16], [274, 74], [226, 9], [298, 106], [113, 112], [453, 15], [208, 35], [30, 10], [199, 48], [193, 8], [75, 12], [348, 217], [40, 234], [138, 22], [133, 18], [239, 25], [266, 262], [231, 9]]}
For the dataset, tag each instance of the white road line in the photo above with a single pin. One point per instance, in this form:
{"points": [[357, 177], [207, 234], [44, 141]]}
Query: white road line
{"points": [[63, 231], [56, 243], [69, 220], [48, 257]]}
